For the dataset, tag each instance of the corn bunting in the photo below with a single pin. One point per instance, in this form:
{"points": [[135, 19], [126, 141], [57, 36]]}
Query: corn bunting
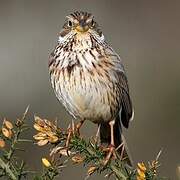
{"points": [[89, 79]]}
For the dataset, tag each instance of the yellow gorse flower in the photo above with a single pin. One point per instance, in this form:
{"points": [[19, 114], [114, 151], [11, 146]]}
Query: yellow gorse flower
{"points": [[47, 131], [46, 163], [91, 170], [141, 170], [7, 132], [42, 142], [142, 167], [7, 124], [153, 166], [2, 143], [7, 129]]}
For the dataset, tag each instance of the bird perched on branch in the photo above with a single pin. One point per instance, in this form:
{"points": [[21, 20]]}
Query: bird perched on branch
{"points": [[89, 79]]}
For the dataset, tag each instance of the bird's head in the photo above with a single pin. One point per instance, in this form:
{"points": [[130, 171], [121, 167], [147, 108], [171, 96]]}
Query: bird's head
{"points": [[81, 24]]}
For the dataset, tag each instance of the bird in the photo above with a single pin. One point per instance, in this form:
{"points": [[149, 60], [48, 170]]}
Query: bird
{"points": [[89, 79]]}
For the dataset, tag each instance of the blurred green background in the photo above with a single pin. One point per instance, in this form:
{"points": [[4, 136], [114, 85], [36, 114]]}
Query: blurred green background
{"points": [[146, 34]]}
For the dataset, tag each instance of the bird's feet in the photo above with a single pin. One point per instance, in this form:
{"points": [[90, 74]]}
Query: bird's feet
{"points": [[110, 153], [73, 130]]}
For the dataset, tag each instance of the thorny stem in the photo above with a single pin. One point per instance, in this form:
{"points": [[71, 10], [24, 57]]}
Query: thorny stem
{"points": [[5, 167], [50, 174], [14, 142], [88, 150], [118, 172], [91, 151]]}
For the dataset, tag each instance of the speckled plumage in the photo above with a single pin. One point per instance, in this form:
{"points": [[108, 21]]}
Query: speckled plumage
{"points": [[87, 75]]}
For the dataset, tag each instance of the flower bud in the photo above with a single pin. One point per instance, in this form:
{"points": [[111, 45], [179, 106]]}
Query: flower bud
{"points": [[53, 139], [8, 124], [142, 167], [91, 170], [64, 152], [45, 162], [141, 170], [7, 133], [2, 143], [38, 128], [42, 142]]}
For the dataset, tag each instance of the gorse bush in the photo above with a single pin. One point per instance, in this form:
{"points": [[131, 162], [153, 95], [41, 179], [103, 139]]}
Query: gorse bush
{"points": [[65, 146]]}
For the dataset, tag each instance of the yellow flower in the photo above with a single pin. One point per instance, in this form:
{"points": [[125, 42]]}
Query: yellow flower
{"points": [[38, 128], [47, 131], [153, 166], [2, 143], [39, 121], [63, 151], [53, 139], [141, 174], [8, 124], [40, 136], [91, 170], [141, 170], [50, 133], [141, 166], [46, 163], [140, 178], [42, 142], [7, 133]]}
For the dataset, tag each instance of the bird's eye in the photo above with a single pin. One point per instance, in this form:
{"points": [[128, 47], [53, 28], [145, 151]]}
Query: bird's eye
{"points": [[92, 23], [70, 23]]}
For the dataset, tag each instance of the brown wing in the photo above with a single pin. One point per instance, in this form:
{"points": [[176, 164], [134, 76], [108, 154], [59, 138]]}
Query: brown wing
{"points": [[126, 112], [126, 104]]}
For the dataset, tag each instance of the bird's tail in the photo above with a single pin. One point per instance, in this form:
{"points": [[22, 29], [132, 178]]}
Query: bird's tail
{"points": [[105, 137]]}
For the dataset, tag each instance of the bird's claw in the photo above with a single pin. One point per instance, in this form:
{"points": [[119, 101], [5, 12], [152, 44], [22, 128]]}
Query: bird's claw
{"points": [[111, 152], [73, 129]]}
